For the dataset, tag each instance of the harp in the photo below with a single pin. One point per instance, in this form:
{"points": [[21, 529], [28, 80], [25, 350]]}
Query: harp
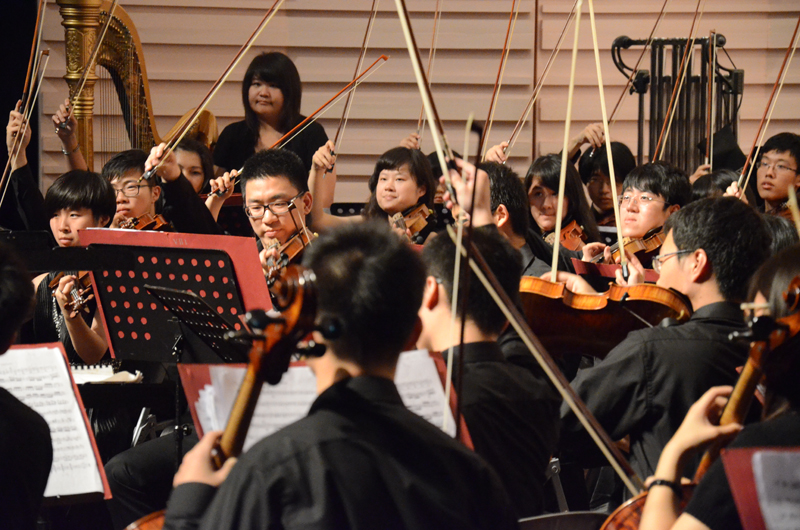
{"points": [[122, 77]]}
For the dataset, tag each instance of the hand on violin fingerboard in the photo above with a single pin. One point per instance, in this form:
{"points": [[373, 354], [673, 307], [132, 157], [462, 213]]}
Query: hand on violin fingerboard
{"points": [[198, 467], [635, 271], [169, 169], [497, 153], [61, 292], [591, 250]]}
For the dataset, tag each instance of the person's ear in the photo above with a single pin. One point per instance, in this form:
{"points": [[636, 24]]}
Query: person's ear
{"points": [[156, 193], [103, 221], [307, 200], [501, 216], [430, 296], [700, 269], [672, 209]]}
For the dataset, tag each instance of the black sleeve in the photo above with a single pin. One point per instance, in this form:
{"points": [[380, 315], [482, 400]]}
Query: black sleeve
{"points": [[615, 392], [307, 143], [234, 146], [712, 501], [186, 210], [186, 506], [23, 208]]}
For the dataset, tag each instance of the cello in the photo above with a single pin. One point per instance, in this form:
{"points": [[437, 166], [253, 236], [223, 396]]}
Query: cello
{"points": [[768, 335], [274, 341]]}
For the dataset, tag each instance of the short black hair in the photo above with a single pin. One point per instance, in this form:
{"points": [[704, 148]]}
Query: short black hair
{"points": [[276, 68], [418, 166], [16, 296], [783, 364], [731, 233], [506, 188], [206, 160], [713, 184], [78, 189], [597, 160], [783, 232], [125, 161], [370, 283], [275, 163], [503, 260], [547, 168], [660, 178], [782, 143]]}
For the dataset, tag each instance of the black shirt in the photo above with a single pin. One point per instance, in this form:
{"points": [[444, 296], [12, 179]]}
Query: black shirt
{"points": [[645, 385], [23, 208], [237, 143], [359, 460], [186, 210], [513, 419], [531, 265], [27, 456], [712, 501]]}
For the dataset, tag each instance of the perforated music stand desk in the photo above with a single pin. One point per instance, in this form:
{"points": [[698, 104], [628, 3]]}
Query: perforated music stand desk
{"points": [[222, 270]]}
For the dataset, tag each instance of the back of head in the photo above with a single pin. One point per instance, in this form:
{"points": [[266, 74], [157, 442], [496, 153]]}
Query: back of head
{"points": [[79, 189], [123, 162], [783, 232], [663, 179], [274, 68], [731, 233], [418, 166], [16, 296], [713, 184], [275, 163], [506, 188], [504, 262], [783, 364], [782, 143], [594, 160], [369, 285]]}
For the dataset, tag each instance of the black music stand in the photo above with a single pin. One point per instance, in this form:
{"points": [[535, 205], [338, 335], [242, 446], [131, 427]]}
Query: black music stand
{"points": [[203, 322]]}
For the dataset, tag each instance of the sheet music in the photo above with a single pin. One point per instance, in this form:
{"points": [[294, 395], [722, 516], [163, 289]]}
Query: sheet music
{"points": [[39, 378], [777, 476], [421, 389]]}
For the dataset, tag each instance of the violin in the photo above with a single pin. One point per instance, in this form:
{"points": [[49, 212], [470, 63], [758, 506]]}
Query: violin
{"points": [[81, 291], [288, 252], [274, 341], [572, 237], [607, 317], [647, 245], [146, 221], [414, 219], [768, 335]]}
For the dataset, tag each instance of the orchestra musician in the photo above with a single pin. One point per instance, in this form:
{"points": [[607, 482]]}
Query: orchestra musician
{"points": [[711, 506], [24, 435], [593, 168], [510, 411], [271, 97], [645, 385], [196, 163], [360, 459], [401, 182]]}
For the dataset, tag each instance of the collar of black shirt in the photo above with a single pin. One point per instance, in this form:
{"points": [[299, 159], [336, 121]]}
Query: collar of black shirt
{"points": [[478, 352], [369, 388], [720, 311]]}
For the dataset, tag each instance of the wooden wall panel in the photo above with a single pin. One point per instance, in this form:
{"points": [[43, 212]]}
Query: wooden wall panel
{"points": [[187, 43]]}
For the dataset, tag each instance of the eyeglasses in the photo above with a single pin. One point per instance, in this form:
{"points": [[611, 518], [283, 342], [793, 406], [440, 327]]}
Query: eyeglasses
{"points": [[257, 211], [129, 190], [779, 168], [644, 200], [658, 261]]}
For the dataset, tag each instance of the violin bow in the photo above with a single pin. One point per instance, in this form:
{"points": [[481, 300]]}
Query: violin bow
{"points": [[562, 179], [16, 147], [710, 114], [792, 203], [629, 82], [437, 16], [512, 21], [765, 119], [443, 152], [676, 90], [187, 125], [348, 102], [539, 84], [36, 43], [300, 127]]}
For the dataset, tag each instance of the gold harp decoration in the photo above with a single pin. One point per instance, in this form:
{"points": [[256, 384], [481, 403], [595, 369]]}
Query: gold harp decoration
{"points": [[121, 55]]}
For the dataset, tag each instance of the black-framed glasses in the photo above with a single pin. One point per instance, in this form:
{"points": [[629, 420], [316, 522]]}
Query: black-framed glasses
{"points": [[257, 211], [129, 190], [658, 261], [779, 168]]}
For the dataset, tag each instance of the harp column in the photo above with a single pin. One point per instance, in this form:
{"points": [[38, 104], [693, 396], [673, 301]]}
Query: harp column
{"points": [[81, 21]]}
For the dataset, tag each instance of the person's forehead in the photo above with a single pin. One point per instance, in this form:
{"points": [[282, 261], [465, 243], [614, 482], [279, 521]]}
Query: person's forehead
{"points": [[779, 156], [269, 187], [129, 177], [402, 170], [631, 189]]}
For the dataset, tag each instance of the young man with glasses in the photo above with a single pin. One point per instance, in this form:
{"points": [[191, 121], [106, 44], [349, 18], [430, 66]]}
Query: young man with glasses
{"points": [[651, 193], [644, 387], [135, 196], [777, 171]]}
